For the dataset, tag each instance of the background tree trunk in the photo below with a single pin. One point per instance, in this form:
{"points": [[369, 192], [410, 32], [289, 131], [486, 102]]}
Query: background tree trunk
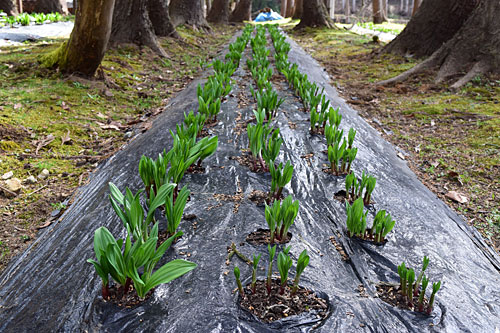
{"points": [[297, 13], [188, 12], [131, 24], [435, 23], [208, 5], [290, 8], [283, 8], [160, 18], [475, 48], [242, 12], [50, 6], [314, 15], [9, 7], [87, 44], [219, 13], [378, 12], [416, 5], [347, 11]]}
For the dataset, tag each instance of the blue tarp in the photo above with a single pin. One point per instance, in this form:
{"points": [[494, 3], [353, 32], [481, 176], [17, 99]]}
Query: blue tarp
{"points": [[271, 16]]}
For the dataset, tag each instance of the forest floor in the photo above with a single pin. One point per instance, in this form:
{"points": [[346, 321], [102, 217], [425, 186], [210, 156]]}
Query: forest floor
{"points": [[59, 129], [451, 140]]}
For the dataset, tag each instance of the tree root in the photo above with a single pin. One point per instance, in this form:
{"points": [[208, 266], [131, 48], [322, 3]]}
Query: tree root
{"points": [[478, 69]]}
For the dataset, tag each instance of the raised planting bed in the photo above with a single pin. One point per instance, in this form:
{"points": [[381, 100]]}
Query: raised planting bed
{"points": [[51, 287]]}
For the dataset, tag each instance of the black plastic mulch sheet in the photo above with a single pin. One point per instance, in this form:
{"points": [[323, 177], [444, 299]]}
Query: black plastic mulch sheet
{"points": [[51, 287]]}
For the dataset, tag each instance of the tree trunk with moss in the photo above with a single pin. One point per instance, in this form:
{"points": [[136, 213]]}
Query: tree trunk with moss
{"points": [[9, 7], [242, 12], [297, 13], [474, 50], [435, 23], [188, 12], [160, 18], [87, 44], [219, 13], [131, 24], [314, 14], [50, 6]]}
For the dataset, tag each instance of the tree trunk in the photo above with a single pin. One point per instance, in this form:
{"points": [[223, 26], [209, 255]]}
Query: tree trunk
{"points": [[160, 18], [242, 12], [347, 11], [331, 9], [188, 12], [378, 12], [87, 44], [314, 15], [283, 8], [416, 5], [9, 7], [354, 8], [219, 13], [297, 13], [131, 24], [208, 5], [50, 6], [475, 48], [435, 23], [290, 8]]}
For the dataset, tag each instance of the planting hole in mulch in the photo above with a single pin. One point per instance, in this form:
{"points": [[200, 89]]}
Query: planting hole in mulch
{"points": [[275, 307], [246, 159], [195, 168], [258, 197], [391, 294], [130, 300], [342, 197], [369, 238], [263, 237]]}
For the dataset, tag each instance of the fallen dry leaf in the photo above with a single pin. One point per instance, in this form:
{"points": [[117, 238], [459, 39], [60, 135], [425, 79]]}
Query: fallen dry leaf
{"points": [[145, 126], [17, 106], [455, 196], [65, 139], [43, 142], [401, 156], [64, 106]]}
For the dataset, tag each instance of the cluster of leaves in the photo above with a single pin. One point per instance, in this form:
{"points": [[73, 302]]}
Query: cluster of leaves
{"points": [[280, 217], [264, 142], [125, 259], [359, 188], [284, 264], [356, 223], [236, 49], [410, 288], [39, 18], [341, 152]]}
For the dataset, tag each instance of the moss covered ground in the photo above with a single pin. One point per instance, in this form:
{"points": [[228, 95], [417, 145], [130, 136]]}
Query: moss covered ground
{"points": [[451, 139], [69, 125]]}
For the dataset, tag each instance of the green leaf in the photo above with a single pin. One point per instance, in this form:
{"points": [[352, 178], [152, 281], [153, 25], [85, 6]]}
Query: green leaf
{"points": [[169, 272]]}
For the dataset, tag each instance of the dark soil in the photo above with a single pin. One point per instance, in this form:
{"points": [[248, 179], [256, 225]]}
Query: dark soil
{"points": [[391, 294], [246, 159], [370, 239], [129, 300], [263, 237], [276, 306], [195, 168]]}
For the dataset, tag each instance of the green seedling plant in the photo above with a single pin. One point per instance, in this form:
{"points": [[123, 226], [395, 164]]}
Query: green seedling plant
{"points": [[272, 253], [255, 264], [335, 154], [284, 265], [425, 283], [238, 281], [197, 120], [280, 177], [268, 100], [129, 209], [302, 263], [174, 210], [360, 188], [280, 217], [356, 218], [409, 288], [425, 263], [124, 266], [153, 173], [382, 225], [271, 148], [435, 288]]}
